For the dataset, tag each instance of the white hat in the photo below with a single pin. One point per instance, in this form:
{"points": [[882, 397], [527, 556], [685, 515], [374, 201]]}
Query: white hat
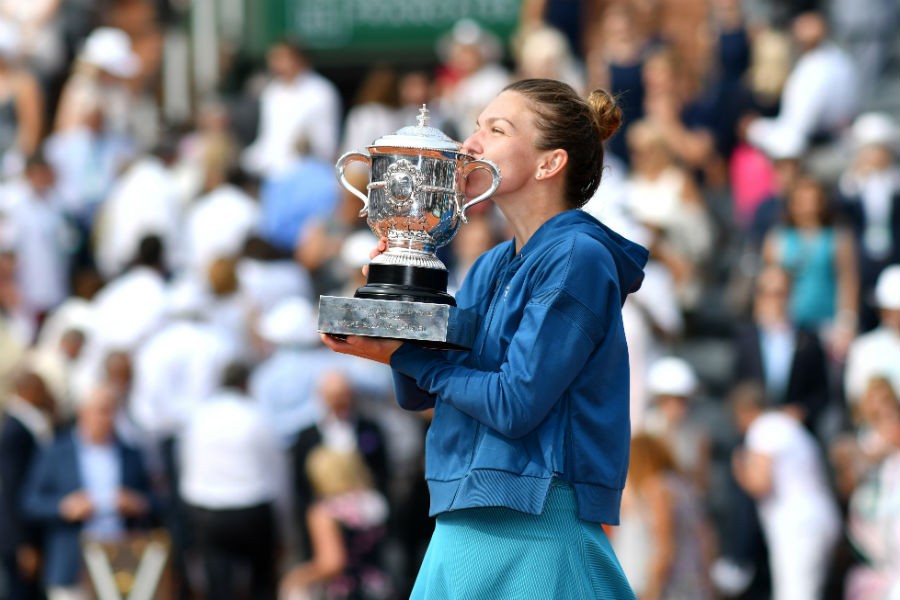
{"points": [[875, 128], [110, 49], [291, 322], [356, 248], [887, 289], [671, 376]]}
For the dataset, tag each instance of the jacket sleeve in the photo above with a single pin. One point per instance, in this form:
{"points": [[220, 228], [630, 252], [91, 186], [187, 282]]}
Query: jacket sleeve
{"points": [[554, 340], [409, 395], [41, 496]]}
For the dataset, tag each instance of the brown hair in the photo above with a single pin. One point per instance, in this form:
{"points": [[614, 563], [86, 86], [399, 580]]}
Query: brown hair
{"points": [[574, 124], [649, 456]]}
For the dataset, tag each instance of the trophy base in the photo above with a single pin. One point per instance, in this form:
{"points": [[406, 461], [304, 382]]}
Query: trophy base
{"points": [[404, 282], [428, 324]]}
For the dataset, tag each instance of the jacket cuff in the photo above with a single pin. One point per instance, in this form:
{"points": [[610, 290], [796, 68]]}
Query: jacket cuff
{"points": [[411, 360]]}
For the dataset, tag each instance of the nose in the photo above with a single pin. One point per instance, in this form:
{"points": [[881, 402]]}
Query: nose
{"points": [[472, 145]]}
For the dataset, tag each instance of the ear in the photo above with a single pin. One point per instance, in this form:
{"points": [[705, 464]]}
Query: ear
{"points": [[552, 163]]}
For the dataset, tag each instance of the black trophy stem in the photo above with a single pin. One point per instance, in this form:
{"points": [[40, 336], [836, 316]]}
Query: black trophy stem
{"points": [[404, 282]]}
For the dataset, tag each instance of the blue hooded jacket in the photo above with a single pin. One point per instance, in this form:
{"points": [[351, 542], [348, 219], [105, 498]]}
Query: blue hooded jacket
{"points": [[543, 393]]}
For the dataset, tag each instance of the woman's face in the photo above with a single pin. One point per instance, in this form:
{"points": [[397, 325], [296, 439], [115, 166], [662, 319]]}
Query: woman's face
{"points": [[806, 204], [506, 135]]}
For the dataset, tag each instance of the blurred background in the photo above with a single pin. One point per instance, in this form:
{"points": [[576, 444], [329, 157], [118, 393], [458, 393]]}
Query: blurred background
{"points": [[169, 216]]}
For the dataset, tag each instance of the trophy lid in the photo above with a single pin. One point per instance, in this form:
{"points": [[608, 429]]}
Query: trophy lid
{"points": [[420, 136]]}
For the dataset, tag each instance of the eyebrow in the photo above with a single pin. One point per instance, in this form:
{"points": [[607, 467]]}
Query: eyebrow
{"points": [[490, 120]]}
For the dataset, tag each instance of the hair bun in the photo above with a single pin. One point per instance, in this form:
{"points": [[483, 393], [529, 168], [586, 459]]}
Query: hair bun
{"points": [[607, 113]]}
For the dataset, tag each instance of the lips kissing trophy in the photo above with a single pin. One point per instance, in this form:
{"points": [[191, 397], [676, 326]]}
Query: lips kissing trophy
{"points": [[415, 200]]}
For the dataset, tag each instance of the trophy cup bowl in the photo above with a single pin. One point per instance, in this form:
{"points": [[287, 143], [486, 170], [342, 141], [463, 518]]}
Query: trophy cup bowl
{"points": [[416, 200]]}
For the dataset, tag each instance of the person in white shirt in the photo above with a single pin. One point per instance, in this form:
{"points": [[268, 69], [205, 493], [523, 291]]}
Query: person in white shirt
{"points": [[40, 240], [232, 475], [179, 365], [297, 102], [877, 353], [124, 313], [820, 96], [219, 223], [145, 201], [781, 466]]}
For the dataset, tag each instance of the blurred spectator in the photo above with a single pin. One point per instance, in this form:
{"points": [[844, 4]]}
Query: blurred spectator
{"points": [[665, 199], [126, 216], [472, 240], [297, 103], [126, 311], [544, 52], [179, 365], [26, 425], [21, 106], [100, 73], [232, 473], [775, 352], [672, 103], [375, 109], [859, 452], [347, 525], [820, 97], [663, 540], [219, 223], [870, 197], [207, 155], [568, 16], [228, 309], [266, 276], [303, 190], [873, 521], [781, 466], [86, 486], [615, 60], [39, 28], [88, 158], [57, 366], [877, 353], [674, 387], [285, 383], [342, 427], [470, 74], [821, 259], [868, 30], [41, 241], [321, 245]]}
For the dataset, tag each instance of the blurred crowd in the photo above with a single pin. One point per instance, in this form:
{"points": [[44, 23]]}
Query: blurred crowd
{"points": [[160, 369]]}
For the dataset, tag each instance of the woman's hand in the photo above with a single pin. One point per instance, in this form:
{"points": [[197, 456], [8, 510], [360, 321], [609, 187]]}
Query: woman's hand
{"points": [[381, 247], [372, 348]]}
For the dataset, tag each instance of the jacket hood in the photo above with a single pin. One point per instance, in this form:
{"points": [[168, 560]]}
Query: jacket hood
{"points": [[629, 257]]}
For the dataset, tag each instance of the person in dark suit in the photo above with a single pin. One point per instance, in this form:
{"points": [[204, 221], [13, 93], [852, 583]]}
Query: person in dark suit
{"points": [[25, 426], [342, 427], [790, 365], [86, 483], [789, 362]]}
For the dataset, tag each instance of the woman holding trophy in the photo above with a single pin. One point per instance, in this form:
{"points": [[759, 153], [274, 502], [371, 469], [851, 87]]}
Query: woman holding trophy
{"points": [[527, 453]]}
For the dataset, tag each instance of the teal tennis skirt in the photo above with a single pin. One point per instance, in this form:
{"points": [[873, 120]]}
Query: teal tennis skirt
{"points": [[500, 553]]}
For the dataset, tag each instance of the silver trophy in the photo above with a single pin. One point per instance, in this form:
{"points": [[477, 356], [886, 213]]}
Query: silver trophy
{"points": [[416, 200]]}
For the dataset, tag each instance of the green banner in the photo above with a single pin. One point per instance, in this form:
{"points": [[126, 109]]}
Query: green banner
{"points": [[366, 30]]}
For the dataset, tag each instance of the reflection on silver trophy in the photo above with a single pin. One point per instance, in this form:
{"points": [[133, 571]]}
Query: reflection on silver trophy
{"points": [[416, 200]]}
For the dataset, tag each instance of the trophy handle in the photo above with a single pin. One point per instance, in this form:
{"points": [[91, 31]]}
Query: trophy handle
{"points": [[341, 164], [474, 165]]}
